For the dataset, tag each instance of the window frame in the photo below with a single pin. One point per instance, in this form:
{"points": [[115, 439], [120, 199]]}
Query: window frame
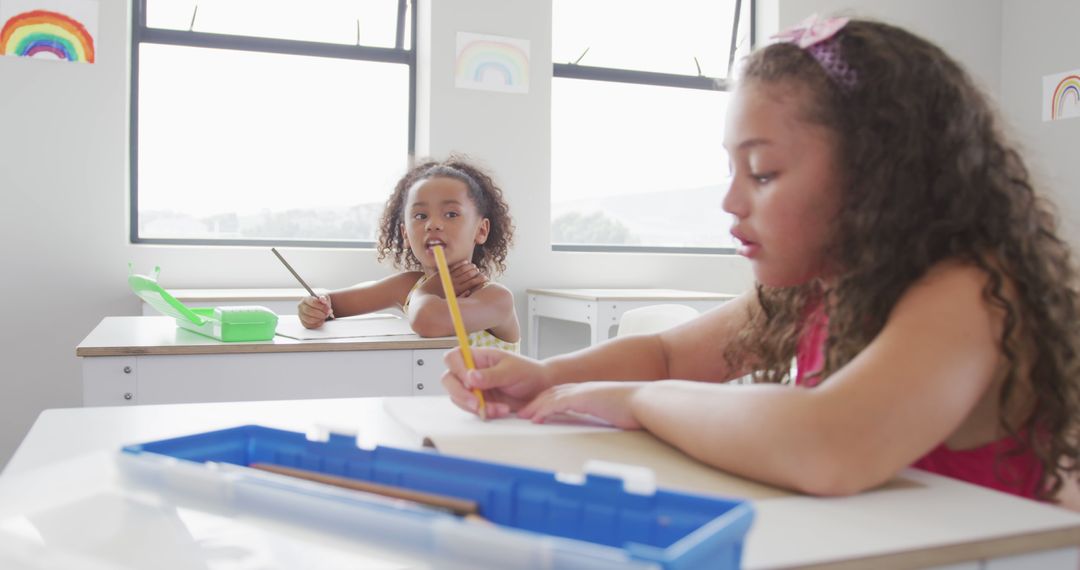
{"points": [[630, 76], [142, 34]]}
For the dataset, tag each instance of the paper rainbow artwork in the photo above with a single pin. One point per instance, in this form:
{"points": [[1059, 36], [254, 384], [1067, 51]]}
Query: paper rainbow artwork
{"points": [[44, 32], [1066, 96], [492, 63]]}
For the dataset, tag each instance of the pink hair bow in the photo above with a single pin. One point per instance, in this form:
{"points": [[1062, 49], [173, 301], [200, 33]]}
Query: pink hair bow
{"points": [[813, 35], [811, 31]]}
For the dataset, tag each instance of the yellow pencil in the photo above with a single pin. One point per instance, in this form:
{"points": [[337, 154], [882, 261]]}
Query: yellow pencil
{"points": [[459, 325]]}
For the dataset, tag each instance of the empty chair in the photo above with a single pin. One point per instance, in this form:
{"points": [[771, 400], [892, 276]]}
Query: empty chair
{"points": [[654, 318]]}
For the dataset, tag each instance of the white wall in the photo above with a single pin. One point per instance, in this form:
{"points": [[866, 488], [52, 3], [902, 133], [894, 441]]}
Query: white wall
{"points": [[1039, 38], [63, 176], [970, 30]]}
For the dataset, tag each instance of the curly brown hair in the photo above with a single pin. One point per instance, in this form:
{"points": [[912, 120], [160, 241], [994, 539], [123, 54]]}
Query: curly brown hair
{"points": [[489, 257], [927, 176]]}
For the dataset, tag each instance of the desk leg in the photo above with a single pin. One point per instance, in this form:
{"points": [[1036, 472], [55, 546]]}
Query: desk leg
{"points": [[608, 315], [597, 329], [532, 341]]}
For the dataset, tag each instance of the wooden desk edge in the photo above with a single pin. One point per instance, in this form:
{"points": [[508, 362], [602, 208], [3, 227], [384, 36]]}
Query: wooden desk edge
{"points": [[382, 343], [983, 549]]}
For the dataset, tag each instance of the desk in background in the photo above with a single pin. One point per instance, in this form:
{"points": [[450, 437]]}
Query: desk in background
{"points": [[281, 301], [149, 360], [932, 521], [602, 309]]}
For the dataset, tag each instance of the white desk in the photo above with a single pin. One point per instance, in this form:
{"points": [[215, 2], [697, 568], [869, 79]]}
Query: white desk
{"points": [[149, 360], [931, 522], [601, 309]]}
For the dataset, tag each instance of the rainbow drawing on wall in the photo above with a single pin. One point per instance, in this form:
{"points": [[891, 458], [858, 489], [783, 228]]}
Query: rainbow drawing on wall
{"points": [[46, 32], [1066, 92], [492, 63], [1061, 96]]}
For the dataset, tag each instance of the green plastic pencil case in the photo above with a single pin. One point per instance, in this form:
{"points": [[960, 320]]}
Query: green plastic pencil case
{"points": [[228, 324]]}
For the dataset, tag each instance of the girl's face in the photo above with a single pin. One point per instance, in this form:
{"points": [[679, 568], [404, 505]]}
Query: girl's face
{"points": [[784, 190], [439, 211]]}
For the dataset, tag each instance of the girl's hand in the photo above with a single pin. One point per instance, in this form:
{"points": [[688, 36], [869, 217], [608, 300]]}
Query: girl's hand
{"points": [[466, 278], [608, 401], [509, 381], [313, 311]]}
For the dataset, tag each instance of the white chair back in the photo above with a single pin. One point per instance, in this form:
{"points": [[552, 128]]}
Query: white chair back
{"points": [[654, 318]]}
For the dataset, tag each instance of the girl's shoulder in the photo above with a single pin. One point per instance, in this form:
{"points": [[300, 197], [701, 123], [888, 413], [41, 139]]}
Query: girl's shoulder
{"points": [[405, 278], [958, 295], [402, 285], [495, 290], [964, 277]]}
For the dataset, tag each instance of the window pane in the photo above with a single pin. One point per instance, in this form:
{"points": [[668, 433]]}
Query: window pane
{"points": [[647, 36], [637, 165], [327, 21], [245, 145]]}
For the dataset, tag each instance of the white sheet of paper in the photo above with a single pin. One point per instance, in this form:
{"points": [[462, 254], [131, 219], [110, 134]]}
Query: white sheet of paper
{"points": [[438, 416], [376, 324]]}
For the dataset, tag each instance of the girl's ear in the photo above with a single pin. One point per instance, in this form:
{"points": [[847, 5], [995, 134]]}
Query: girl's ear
{"points": [[404, 234], [482, 231]]}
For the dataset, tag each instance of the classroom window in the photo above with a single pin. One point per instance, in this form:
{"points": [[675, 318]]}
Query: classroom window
{"points": [[638, 100], [268, 121]]}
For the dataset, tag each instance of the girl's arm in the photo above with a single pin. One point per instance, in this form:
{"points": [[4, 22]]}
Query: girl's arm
{"points": [[373, 295], [489, 308], [905, 393], [693, 350]]}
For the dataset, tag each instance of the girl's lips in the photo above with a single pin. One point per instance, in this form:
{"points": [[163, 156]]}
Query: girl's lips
{"points": [[746, 248]]}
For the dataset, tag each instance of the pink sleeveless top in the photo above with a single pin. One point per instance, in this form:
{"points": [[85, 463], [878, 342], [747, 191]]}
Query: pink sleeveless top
{"points": [[989, 465]]}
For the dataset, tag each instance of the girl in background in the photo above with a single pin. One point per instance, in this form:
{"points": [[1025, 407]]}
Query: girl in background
{"points": [[458, 206]]}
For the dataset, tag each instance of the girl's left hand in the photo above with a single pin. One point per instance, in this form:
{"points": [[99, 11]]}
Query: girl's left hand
{"points": [[608, 401], [466, 278]]}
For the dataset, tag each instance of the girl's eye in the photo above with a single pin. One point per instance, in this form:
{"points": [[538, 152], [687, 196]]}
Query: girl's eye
{"points": [[452, 214], [419, 217], [763, 178]]}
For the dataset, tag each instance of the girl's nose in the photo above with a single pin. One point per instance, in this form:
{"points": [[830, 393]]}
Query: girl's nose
{"points": [[734, 201]]}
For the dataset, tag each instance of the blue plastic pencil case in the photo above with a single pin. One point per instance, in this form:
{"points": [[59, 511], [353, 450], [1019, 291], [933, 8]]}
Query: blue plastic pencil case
{"points": [[540, 520]]}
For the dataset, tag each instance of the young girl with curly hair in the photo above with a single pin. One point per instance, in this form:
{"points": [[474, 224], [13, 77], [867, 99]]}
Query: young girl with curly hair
{"points": [[458, 206], [902, 260]]}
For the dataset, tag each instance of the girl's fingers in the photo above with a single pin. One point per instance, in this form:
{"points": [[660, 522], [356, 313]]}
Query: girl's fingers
{"points": [[459, 394], [465, 399], [454, 361], [467, 285], [545, 408], [310, 316], [530, 410], [459, 270], [466, 277], [497, 410]]}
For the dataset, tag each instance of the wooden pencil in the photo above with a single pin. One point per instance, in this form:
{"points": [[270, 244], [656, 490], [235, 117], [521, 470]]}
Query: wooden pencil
{"points": [[459, 324], [454, 505]]}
